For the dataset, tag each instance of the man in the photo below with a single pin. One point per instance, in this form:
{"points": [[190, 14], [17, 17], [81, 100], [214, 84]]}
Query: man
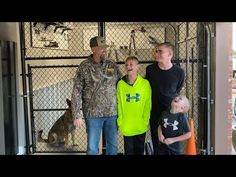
{"points": [[166, 81], [95, 92]]}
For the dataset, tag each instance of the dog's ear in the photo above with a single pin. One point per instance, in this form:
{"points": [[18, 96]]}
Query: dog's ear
{"points": [[68, 102]]}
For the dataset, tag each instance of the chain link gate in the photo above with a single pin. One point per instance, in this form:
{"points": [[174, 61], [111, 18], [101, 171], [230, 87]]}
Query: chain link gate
{"points": [[66, 44]]}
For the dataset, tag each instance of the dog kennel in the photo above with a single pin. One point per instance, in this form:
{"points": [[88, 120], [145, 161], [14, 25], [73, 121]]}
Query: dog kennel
{"points": [[51, 52]]}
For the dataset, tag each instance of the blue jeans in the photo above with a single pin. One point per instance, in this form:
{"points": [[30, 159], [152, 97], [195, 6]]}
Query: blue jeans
{"points": [[94, 126]]}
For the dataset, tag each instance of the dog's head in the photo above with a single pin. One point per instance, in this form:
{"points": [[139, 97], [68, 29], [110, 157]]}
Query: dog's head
{"points": [[68, 114]]}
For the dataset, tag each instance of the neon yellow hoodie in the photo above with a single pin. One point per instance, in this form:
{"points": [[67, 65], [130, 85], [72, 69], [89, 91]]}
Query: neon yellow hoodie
{"points": [[134, 106]]}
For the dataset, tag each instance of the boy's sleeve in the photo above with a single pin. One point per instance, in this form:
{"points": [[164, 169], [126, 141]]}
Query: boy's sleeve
{"points": [[148, 104], [160, 122], [186, 127]]}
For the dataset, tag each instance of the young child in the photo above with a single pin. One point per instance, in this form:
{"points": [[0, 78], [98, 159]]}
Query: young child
{"points": [[134, 107], [174, 128]]}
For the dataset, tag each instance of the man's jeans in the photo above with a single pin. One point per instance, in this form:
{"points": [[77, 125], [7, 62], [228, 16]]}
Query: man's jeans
{"points": [[94, 127]]}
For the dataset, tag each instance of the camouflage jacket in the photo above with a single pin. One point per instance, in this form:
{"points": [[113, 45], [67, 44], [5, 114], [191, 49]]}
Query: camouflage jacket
{"points": [[95, 89]]}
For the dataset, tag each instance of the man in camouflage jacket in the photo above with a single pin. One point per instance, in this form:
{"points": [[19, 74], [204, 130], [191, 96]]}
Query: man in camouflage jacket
{"points": [[95, 92]]}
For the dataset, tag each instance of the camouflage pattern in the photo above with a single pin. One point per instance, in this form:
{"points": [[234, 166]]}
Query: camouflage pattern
{"points": [[95, 89]]}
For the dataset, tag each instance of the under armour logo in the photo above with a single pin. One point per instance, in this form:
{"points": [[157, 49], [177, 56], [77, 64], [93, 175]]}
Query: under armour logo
{"points": [[174, 125], [136, 97]]}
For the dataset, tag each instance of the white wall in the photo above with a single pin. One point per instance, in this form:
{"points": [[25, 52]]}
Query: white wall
{"points": [[8, 31], [222, 122]]}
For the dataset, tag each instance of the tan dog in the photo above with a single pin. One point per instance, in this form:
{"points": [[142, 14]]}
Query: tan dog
{"points": [[59, 133]]}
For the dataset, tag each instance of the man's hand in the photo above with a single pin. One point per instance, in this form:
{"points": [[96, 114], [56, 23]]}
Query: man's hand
{"points": [[79, 123]]}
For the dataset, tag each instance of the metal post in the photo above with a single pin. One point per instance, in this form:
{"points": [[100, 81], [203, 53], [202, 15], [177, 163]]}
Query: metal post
{"points": [[22, 42], [33, 132], [208, 90]]}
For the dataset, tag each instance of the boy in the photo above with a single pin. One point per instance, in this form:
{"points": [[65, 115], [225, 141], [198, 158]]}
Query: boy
{"points": [[166, 80], [134, 107], [174, 128]]}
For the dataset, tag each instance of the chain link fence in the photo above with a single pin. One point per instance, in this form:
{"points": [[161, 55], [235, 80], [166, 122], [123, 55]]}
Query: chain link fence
{"points": [[68, 44]]}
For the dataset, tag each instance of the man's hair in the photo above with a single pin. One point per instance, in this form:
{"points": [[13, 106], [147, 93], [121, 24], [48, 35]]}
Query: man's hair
{"points": [[132, 58], [168, 45]]}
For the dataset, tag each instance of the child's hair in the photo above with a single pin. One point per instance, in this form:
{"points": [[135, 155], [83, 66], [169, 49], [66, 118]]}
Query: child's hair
{"points": [[131, 58], [186, 101]]}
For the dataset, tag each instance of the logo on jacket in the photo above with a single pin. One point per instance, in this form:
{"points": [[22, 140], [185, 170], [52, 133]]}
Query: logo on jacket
{"points": [[136, 97], [108, 70], [174, 125]]}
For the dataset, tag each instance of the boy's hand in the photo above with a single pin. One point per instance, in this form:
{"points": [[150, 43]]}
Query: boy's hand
{"points": [[169, 141]]}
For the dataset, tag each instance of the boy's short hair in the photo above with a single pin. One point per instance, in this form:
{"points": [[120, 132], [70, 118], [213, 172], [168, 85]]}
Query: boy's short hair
{"points": [[168, 45], [132, 58], [186, 101]]}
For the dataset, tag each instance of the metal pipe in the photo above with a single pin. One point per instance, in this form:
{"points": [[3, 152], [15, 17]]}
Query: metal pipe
{"points": [[101, 29], [56, 58], [32, 125], [208, 57]]}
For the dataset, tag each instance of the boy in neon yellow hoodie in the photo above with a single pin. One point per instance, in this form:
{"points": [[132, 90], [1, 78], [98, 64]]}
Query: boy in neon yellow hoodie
{"points": [[134, 107]]}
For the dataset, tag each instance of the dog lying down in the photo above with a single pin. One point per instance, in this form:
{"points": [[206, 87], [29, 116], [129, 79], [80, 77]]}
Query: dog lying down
{"points": [[59, 133]]}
